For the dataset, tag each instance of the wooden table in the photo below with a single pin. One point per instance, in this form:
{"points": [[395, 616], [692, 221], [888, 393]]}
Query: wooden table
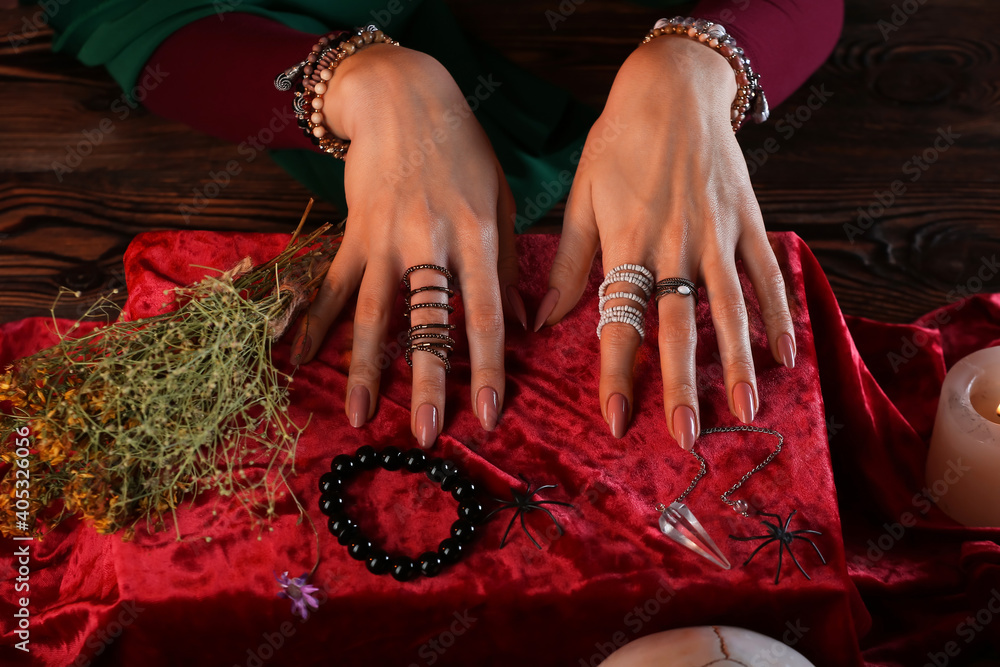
{"points": [[891, 95]]}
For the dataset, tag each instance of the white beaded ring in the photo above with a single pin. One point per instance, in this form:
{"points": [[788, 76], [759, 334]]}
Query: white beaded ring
{"points": [[622, 319], [620, 295], [621, 275], [633, 274]]}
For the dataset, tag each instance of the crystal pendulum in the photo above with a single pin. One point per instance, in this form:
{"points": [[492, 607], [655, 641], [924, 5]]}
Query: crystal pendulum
{"points": [[679, 524]]}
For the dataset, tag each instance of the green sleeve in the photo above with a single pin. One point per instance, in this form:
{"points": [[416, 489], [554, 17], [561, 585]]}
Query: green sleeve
{"points": [[536, 129]]}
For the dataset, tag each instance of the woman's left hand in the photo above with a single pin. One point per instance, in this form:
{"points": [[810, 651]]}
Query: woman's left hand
{"points": [[662, 183]]}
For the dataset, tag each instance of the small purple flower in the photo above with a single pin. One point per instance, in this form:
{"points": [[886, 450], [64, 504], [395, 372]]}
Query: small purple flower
{"points": [[299, 592]]}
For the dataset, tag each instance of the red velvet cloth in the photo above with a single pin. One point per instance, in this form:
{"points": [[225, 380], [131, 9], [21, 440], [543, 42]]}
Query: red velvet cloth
{"points": [[612, 577]]}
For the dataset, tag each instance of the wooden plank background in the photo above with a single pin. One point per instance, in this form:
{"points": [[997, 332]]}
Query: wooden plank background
{"points": [[891, 94]]}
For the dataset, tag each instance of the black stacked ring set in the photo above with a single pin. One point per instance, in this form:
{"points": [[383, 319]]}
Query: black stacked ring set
{"points": [[428, 337]]}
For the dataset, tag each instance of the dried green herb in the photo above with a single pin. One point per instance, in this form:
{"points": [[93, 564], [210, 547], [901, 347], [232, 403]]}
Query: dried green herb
{"points": [[131, 420]]}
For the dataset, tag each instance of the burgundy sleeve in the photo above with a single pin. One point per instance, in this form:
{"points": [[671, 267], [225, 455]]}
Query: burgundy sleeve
{"points": [[219, 79], [786, 40]]}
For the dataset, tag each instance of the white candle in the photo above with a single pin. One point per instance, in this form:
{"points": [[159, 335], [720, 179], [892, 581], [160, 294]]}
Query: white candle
{"points": [[963, 465]]}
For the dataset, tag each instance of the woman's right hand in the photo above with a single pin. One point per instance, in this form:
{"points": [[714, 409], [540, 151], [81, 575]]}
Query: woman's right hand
{"points": [[423, 187]]}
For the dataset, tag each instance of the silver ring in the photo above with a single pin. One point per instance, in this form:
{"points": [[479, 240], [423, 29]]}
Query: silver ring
{"points": [[681, 286]]}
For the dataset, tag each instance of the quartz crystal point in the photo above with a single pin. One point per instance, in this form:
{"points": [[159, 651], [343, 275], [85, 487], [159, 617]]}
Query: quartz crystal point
{"points": [[679, 524]]}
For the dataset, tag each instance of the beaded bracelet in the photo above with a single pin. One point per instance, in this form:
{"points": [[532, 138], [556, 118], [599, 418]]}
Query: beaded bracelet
{"points": [[316, 71], [403, 568], [750, 93]]}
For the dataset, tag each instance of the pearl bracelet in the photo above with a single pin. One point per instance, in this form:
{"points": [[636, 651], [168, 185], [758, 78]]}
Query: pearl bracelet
{"points": [[750, 94], [316, 72]]}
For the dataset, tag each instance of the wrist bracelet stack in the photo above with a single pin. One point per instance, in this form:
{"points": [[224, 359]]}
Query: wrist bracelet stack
{"points": [[315, 72], [750, 95]]}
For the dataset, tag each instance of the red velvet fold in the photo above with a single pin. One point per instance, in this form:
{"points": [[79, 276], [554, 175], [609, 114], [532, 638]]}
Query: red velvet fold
{"points": [[612, 577]]}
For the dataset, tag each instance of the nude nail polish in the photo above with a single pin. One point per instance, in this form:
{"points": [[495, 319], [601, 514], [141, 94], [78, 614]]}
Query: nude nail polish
{"points": [[786, 350], [486, 407], [546, 307], [617, 414], [685, 426], [517, 305], [427, 425], [743, 402], [358, 406]]}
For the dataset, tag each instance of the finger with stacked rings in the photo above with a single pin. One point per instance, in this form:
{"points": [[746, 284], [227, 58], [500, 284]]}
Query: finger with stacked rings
{"points": [[681, 286], [428, 337], [633, 274]]}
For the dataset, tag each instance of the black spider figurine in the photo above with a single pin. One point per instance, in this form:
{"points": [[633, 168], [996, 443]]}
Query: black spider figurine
{"points": [[784, 537], [522, 504]]}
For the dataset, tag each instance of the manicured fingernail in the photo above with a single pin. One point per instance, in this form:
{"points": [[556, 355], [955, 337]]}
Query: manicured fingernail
{"points": [[743, 400], [486, 406], [786, 350], [617, 414], [517, 304], [301, 346], [685, 426], [358, 405], [427, 425], [546, 307]]}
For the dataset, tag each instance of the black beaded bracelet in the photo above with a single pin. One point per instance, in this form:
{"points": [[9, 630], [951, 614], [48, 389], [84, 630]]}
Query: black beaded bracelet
{"points": [[443, 472]]}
